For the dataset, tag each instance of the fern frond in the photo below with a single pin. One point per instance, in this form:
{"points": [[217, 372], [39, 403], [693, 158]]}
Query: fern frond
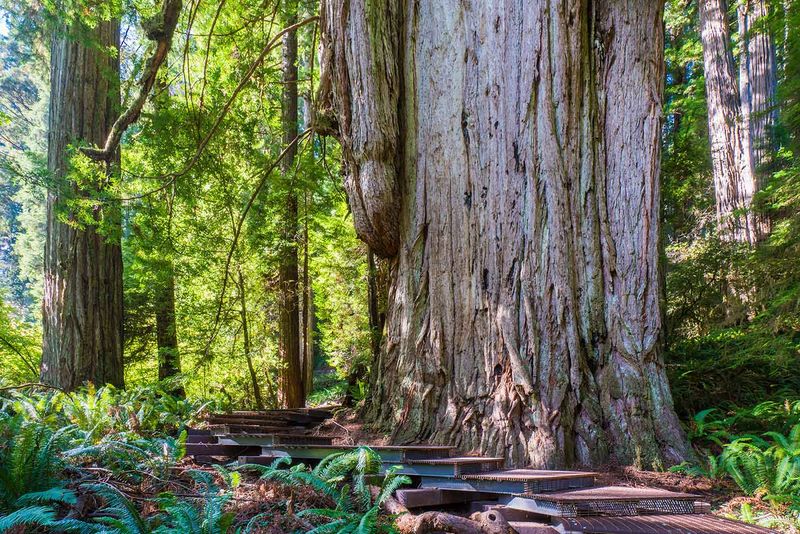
{"points": [[121, 508], [52, 495], [32, 515]]}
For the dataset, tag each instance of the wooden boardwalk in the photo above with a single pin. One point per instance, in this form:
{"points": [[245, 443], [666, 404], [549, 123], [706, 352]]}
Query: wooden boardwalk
{"points": [[533, 501]]}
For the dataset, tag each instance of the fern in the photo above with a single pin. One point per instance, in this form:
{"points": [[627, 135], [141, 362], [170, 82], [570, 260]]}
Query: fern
{"points": [[356, 511], [30, 462], [32, 515], [212, 518], [119, 512]]}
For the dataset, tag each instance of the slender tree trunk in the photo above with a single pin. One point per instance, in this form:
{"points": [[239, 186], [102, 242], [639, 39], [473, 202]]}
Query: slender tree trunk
{"points": [[169, 360], [731, 153], [247, 347], [289, 323], [308, 335], [169, 363], [523, 139], [758, 83], [82, 305]]}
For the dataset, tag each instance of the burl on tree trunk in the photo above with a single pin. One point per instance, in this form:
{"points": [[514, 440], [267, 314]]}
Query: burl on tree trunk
{"points": [[505, 156]]}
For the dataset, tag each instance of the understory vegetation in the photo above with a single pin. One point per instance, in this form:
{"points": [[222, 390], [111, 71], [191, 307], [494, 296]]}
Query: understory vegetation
{"points": [[113, 461]]}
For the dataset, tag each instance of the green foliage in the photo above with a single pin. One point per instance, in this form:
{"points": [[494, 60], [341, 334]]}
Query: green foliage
{"points": [[761, 462], [29, 460], [345, 478]]}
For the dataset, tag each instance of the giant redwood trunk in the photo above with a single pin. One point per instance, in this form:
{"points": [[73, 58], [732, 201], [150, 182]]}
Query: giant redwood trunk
{"points": [[505, 156], [82, 305], [729, 136]]}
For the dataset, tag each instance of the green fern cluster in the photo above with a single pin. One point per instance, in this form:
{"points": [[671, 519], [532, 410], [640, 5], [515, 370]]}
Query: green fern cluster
{"points": [[29, 460], [345, 478], [766, 464]]}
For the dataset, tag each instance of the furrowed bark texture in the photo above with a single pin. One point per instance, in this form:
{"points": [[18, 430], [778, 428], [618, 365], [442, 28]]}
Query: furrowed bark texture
{"points": [[523, 315], [731, 153], [758, 82], [82, 305], [289, 299]]}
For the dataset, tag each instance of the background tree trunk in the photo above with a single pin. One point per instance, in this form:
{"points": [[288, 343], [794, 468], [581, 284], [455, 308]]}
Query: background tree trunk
{"points": [[289, 299], [169, 363], [757, 86], [523, 316], [82, 304], [758, 79], [731, 154], [247, 346], [307, 310], [169, 360]]}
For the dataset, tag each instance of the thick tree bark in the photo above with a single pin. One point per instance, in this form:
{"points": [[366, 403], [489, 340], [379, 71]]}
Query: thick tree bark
{"points": [[289, 299], [757, 83], [82, 305], [523, 317], [731, 152]]}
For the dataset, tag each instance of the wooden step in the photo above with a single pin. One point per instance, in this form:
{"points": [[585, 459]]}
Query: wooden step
{"points": [[223, 429], [200, 438], [390, 454], [607, 501], [319, 413], [419, 498], [671, 524], [273, 438], [215, 449], [267, 419], [452, 466], [514, 481]]}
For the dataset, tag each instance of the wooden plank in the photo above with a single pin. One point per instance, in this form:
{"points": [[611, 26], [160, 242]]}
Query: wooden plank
{"points": [[223, 429], [271, 439], [418, 498], [262, 459], [513, 483], [200, 438], [390, 454], [530, 474], [214, 449]]}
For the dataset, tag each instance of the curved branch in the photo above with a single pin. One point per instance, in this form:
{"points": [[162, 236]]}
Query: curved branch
{"points": [[19, 353], [161, 30]]}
